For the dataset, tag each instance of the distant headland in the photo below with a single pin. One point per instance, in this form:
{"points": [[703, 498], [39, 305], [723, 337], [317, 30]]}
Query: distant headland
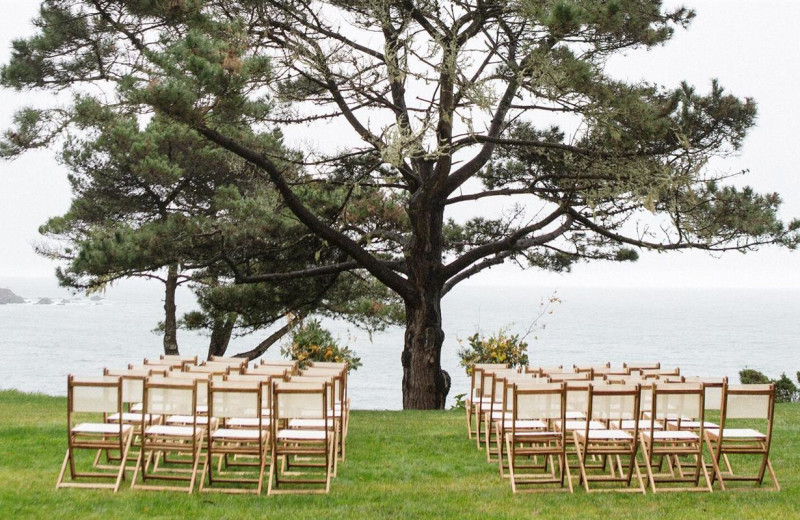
{"points": [[8, 296]]}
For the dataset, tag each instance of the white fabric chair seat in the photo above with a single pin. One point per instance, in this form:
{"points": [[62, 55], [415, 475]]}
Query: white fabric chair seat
{"points": [[496, 416], [606, 435], [692, 425], [630, 424], [666, 435], [238, 434], [104, 428], [130, 417], [247, 422], [187, 419], [304, 435], [579, 425], [518, 436], [737, 433], [525, 425], [310, 423], [172, 431]]}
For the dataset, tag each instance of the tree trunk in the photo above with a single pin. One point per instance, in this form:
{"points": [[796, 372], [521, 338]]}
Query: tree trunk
{"points": [[221, 332], [170, 319], [424, 384]]}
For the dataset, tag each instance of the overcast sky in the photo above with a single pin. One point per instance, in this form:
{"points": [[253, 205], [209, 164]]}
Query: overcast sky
{"points": [[750, 46]]}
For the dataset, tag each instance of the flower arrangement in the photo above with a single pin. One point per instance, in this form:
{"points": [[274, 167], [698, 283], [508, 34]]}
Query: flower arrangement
{"points": [[312, 342], [501, 347]]}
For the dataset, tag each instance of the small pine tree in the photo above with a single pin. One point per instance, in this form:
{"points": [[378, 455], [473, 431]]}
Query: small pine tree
{"points": [[785, 390]]}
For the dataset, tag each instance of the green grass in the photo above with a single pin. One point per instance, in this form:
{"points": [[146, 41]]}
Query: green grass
{"points": [[399, 465]]}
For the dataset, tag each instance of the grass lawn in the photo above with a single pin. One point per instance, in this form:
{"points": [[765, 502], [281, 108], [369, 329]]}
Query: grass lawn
{"points": [[399, 465]]}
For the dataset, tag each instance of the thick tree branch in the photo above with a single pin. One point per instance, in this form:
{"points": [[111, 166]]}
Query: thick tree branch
{"points": [[360, 255], [271, 340], [475, 269], [508, 243], [660, 246]]}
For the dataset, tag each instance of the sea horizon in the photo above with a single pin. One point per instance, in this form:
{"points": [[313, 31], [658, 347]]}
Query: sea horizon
{"points": [[704, 331]]}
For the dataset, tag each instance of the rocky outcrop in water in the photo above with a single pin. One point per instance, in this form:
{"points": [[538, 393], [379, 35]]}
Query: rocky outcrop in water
{"points": [[7, 296]]}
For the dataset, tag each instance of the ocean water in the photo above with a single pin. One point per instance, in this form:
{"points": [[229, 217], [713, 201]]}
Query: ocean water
{"points": [[712, 332]]}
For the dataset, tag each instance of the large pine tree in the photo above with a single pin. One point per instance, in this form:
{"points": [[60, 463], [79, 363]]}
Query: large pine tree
{"points": [[444, 103]]}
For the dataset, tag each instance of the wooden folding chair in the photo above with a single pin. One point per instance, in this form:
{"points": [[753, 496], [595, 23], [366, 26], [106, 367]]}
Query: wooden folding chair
{"points": [[266, 380], [86, 399], [471, 404], [657, 373], [493, 408], [670, 402], [183, 360], [302, 459], [132, 396], [292, 364], [712, 401], [638, 366], [576, 418], [548, 370], [501, 426], [600, 372], [236, 363], [334, 420], [244, 435], [558, 377], [610, 403], [170, 396], [485, 401], [341, 365], [172, 361], [751, 402], [279, 372], [213, 367], [602, 367], [340, 402], [202, 378], [530, 435]]}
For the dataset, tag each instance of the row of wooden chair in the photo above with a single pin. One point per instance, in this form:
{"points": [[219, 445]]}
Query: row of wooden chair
{"points": [[533, 423], [486, 377], [227, 426]]}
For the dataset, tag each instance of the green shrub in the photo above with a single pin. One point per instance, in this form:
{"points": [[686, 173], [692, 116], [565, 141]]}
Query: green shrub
{"points": [[460, 403], [498, 348], [312, 342], [785, 389], [749, 376]]}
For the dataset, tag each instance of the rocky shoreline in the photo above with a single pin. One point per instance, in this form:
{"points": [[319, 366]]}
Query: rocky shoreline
{"points": [[7, 296]]}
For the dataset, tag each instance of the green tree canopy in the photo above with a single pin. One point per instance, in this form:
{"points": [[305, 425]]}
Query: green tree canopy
{"points": [[445, 103]]}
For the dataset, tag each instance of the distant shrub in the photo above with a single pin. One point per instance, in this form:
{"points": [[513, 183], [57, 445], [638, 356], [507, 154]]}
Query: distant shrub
{"points": [[749, 376], [497, 348], [312, 342], [785, 390]]}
